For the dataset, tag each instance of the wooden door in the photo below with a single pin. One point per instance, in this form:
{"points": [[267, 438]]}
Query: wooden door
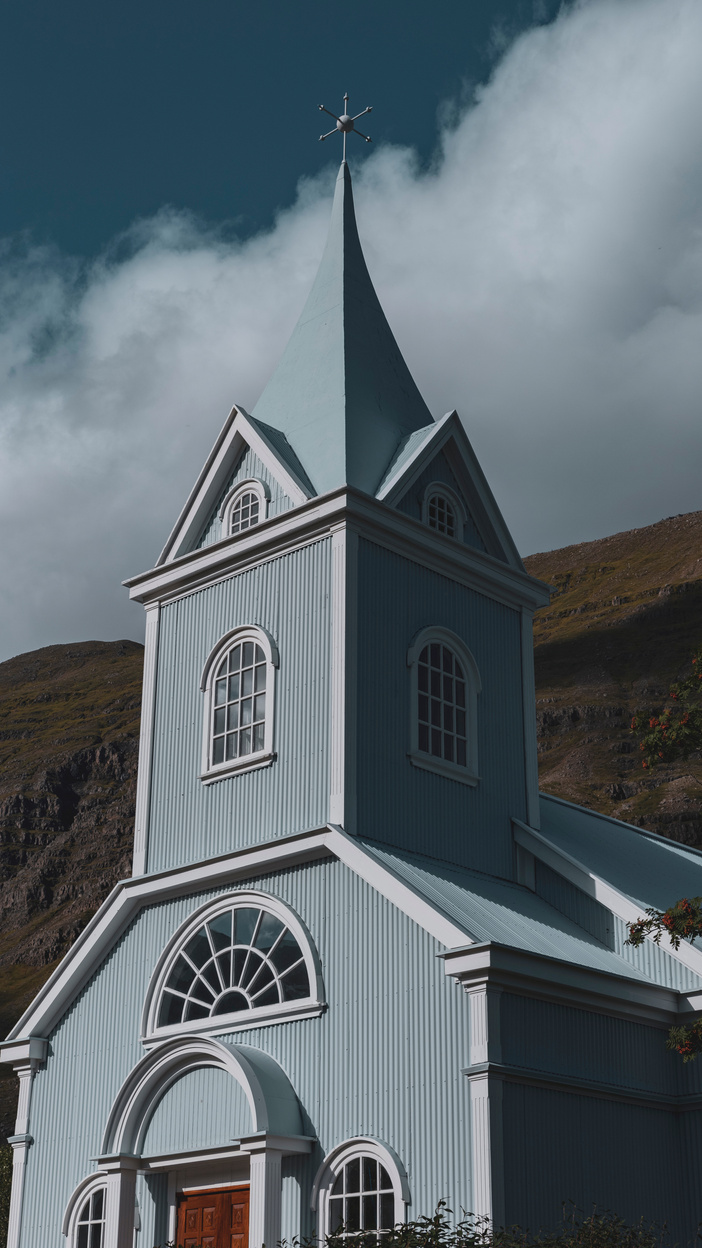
{"points": [[217, 1218]]}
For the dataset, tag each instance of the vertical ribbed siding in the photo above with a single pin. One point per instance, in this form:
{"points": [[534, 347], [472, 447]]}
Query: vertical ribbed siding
{"points": [[205, 1108], [560, 1147], [402, 804], [290, 597], [439, 470], [652, 960], [384, 1060], [152, 1200], [248, 466]]}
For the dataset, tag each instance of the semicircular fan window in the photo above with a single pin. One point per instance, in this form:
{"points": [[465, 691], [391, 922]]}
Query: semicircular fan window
{"points": [[240, 960]]}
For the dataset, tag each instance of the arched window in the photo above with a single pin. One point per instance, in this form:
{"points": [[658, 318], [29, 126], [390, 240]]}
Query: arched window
{"points": [[84, 1219], [443, 510], [238, 961], [360, 1187], [445, 688], [238, 682], [244, 506]]}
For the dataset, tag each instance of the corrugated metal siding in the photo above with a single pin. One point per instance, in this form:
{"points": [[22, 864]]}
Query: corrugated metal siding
{"points": [[290, 597], [248, 466], [203, 1109], [439, 470], [650, 960], [384, 1060], [399, 803], [560, 1148], [152, 1197]]}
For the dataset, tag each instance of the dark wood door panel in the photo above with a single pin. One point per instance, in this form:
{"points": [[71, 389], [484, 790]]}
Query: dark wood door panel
{"points": [[214, 1219]]}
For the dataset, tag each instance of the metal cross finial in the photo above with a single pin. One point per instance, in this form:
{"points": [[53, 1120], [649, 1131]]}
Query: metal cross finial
{"points": [[344, 123]]}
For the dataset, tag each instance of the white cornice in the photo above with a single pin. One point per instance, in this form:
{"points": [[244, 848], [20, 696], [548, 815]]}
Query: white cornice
{"points": [[127, 898], [549, 979], [314, 520], [595, 886]]}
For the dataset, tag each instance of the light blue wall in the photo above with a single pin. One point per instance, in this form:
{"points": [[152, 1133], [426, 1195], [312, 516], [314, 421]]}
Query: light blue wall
{"points": [[369, 1065], [290, 597], [397, 802], [205, 1108], [440, 470], [249, 465]]}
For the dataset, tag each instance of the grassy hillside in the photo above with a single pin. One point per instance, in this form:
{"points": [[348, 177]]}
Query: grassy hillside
{"points": [[625, 616]]}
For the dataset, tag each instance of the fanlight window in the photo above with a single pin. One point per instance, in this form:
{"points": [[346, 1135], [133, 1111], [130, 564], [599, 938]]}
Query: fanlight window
{"points": [[445, 688], [244, 513], [441, 515], [90, 1225], [239, 704], [242, 959], [362, 1198]]}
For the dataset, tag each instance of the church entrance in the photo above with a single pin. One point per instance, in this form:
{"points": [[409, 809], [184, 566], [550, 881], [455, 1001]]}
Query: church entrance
{"points": [[216, 1218]]}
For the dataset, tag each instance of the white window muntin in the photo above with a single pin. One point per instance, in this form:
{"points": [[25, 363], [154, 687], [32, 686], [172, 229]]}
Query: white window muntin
{"points": [[248, 501], [465, 773], [436, 494], [332, 1177], [302, 1007], [228, 700], [85, 1218]]}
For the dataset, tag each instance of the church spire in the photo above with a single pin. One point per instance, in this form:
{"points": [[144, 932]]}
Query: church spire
{"points": [[342, 393]]}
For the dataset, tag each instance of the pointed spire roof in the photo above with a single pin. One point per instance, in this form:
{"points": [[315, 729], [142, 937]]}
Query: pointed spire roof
{"points": [[342, 393]]}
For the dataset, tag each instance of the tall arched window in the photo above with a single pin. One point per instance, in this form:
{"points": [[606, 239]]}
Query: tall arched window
{"points": [[238, 683], [445, 688], [244, 507], [237, 962], [443, 510], [361, 1186]]}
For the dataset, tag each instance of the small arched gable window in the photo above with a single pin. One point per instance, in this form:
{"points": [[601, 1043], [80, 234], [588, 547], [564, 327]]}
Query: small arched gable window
{"points": [[85, 1217], [443, 510], [237, 962], [238, 683], [245, 506], [445, 688], [361, 1186]]}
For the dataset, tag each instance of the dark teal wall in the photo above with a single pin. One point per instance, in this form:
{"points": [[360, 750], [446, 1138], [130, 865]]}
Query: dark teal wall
{"points": [[439, 470], [397, 802]]}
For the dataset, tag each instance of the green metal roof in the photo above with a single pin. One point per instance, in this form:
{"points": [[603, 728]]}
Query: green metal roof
{"points": [[342, 393]]}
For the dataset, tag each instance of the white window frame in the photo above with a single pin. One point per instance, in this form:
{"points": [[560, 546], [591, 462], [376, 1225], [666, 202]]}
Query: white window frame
{"points": [[251, 486], [334, 1162], [211, 772], [451, 497], [454, 771], [225, 1024], [83, 1192]]}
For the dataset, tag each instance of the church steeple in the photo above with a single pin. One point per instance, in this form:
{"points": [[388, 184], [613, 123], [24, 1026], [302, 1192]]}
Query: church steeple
{"points": [[342, 393]]}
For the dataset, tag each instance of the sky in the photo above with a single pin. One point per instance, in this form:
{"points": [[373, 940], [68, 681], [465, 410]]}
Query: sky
{"points": [[530, 210]]}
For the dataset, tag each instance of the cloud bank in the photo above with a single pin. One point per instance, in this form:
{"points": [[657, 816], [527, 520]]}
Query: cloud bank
{"points": [[544, 276]]}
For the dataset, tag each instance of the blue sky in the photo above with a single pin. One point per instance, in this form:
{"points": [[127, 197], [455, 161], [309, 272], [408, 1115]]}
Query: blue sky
{"points": [[530, 208]]}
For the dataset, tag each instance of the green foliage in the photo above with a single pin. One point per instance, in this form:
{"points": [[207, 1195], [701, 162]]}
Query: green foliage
{"points": [[683, 921], [5, 1186], [677, 731], [595, 1230]]}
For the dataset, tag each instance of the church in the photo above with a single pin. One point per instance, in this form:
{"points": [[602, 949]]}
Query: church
{"points": [[361, 965]]}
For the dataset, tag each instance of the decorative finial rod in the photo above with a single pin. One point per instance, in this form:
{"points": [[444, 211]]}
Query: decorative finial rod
{"points": [[344, 123]]}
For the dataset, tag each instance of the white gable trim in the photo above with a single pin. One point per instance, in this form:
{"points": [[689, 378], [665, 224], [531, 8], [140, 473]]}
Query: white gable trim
{"points": [[239, 431], [595, 886], [464, 463], [128, 897]]}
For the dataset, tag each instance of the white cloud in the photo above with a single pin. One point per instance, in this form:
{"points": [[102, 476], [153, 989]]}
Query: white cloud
{"points": [[545, 277]]}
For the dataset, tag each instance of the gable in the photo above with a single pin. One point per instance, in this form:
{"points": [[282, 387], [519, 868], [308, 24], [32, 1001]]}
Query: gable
{"points": [[439, 470], [248, 466]]}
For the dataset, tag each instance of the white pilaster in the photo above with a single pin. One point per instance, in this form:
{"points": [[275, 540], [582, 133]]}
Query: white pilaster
{"points": [[342, 803], [25, 1056], [265, 1197], [120, 1204], [486, 1103], [146, 740], [531, 769]]}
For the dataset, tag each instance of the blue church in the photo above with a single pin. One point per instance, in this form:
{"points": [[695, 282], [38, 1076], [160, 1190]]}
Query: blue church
{"points": [[361, 965]]}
